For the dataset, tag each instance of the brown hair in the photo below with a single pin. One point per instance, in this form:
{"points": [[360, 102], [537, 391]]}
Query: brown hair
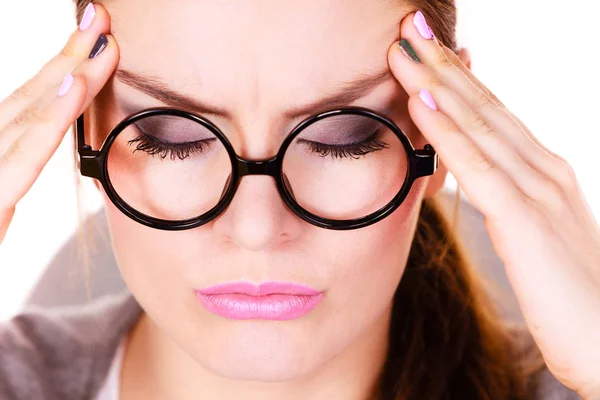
{"points": [[447, 340]]}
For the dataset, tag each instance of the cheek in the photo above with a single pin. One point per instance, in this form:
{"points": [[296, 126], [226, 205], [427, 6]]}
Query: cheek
{"points": [[150, 265], [370, 263], [147, 258]]}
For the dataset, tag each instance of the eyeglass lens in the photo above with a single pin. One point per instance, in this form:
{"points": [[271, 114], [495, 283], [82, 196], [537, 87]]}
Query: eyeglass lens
{"points": [[340, 167]]}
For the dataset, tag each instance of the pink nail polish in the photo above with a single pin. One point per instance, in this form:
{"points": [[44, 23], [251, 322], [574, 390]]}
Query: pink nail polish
{"points": [[66, 85], [88, 17], [427, 99], [421, 25]]}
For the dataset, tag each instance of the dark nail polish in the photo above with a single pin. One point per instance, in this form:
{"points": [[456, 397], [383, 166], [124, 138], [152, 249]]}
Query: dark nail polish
{"points": [[409, 51], [99, 46]]}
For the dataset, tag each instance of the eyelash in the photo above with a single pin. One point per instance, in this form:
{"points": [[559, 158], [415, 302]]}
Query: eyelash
{"points": [[354, 150], [155, 146]]}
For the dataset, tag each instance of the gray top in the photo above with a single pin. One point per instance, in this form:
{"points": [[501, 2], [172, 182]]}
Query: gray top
{"points": [[65, 353]]}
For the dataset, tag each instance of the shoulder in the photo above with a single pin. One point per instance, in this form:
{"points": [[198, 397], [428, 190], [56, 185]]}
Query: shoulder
{"points": [[62, 353]]}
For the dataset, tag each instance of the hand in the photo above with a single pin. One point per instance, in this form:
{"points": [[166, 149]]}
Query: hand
{"points": [[35, 118], [537, 217]]}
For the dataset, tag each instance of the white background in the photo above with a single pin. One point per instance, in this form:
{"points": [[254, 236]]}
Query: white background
{"points": [[539, 57]]}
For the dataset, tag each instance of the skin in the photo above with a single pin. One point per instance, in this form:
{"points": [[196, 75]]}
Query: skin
{"points": [[180, 350], [258, 238]]}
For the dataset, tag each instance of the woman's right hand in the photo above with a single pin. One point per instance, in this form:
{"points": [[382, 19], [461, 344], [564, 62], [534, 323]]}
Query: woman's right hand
{"points": [[35, 118]]}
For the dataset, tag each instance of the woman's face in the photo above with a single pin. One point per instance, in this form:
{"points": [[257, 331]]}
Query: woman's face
{"points": [[258, 59]]}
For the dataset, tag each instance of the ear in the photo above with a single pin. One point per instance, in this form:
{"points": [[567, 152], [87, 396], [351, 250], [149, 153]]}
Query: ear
{"points": [[436, 181]]}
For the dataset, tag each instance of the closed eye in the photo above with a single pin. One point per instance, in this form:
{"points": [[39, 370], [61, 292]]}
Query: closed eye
{"points": [[351, 150], [155, 146]]}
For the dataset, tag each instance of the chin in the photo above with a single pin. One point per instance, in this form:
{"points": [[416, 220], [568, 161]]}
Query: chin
{"points": [[258, 371], [267, 353]]}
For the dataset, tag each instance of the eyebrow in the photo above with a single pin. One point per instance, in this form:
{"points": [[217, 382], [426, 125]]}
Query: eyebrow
{"points": [[345, 94]]}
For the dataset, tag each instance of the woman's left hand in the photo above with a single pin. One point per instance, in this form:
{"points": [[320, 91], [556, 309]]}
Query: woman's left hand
{"points": [[535, 212]]}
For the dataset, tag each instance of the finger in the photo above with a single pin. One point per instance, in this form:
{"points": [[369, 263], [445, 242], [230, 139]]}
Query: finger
{"points": [[495, 147], [489, 188], [540, 177], [463, 82], [72, 54], [99, 69], [24, 159], [96, 72], [469, 74], [22, 163]]}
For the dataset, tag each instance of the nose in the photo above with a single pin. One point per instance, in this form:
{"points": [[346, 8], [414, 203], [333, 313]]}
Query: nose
{"points": [[257, 218]]}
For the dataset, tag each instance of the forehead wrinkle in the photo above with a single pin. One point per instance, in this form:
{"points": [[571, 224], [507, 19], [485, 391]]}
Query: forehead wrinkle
{"points": [[345, 94], [336, 93]]}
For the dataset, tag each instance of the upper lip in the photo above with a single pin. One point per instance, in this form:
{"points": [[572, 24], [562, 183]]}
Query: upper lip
{"points": [[263, 289]]}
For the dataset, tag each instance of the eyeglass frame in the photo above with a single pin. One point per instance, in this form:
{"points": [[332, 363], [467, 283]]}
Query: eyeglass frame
{"points": [[94, 164]]}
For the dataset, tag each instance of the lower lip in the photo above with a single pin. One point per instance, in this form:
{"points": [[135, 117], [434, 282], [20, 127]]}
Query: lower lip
{"points": [[278, 307]]}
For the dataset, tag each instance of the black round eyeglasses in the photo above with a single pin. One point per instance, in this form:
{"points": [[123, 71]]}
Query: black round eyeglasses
{"points": [[173, 170]]}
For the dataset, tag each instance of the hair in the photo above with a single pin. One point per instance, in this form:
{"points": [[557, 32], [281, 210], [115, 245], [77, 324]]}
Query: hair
{"points": [[447, 340]]}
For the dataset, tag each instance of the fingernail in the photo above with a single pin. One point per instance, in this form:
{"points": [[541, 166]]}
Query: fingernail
{"points": [[427, 99], [66, 85], [421, 25], [99, 46], [88, 17], [409, 51]]}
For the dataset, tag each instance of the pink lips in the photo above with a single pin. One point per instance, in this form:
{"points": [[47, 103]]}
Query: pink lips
{"points": [[271, 300]]}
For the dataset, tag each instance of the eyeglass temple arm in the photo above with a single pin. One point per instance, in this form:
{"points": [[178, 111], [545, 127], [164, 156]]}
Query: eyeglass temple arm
{"points": [[425, 161], [89, 160]]}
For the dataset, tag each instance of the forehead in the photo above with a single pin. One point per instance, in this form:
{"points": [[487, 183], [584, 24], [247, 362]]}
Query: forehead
{"points": [[255, 54]]}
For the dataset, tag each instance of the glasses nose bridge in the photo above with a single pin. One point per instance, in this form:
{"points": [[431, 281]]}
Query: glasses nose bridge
{"points": [[268, 167]]}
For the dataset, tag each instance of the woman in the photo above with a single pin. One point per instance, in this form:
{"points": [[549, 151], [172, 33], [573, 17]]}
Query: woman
{"points": [[373, 296]]}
